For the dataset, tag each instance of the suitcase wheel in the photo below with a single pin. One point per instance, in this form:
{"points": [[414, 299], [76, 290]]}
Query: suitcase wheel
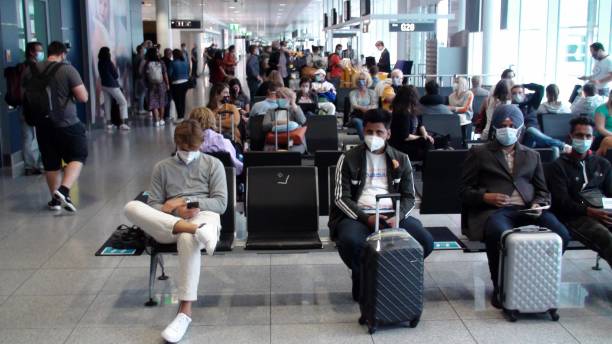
{"points": [[512, 315], [362, 321], [554, 315], [414, 322]]}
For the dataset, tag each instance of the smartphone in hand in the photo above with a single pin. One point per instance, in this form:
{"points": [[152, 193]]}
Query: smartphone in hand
{"points": [[193, 205]]}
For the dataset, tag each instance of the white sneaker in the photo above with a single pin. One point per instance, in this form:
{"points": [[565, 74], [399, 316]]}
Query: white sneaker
{"points": [[110, 127], [156, 124], [175, 331], [209, 237], [162, 123], [124, 127]]}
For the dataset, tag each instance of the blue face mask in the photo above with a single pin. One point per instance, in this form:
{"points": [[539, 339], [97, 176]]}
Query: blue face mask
{"points": [[506, 136], [581, 146], [361, 83], [283, 103], [40, 56]]}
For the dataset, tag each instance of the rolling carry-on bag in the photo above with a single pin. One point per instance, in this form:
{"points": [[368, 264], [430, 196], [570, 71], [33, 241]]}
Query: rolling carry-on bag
{"points": [[391, 276], [530, 271]]}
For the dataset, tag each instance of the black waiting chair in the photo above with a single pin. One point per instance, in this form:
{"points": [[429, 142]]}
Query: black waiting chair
{"points": [[226, 237], [257, 136], [445, 91], [546, 154], [256, 159], [224, 157], [441, 179], [322, 133], [323, 160], [282, 208], [341, 94], [445, 125], [556, 125]]}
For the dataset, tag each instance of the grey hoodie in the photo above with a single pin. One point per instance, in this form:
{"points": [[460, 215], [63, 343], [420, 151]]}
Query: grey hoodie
{"points": [[587, 104]]}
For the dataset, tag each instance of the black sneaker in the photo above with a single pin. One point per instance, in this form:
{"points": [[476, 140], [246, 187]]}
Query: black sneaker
{"points": [[54, 204], [355, 290], [65, 201]]}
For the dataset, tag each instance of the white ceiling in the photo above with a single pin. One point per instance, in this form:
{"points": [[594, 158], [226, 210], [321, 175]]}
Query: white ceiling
{"points": [[268, 17]]}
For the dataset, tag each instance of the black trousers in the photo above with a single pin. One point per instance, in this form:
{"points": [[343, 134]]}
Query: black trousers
{"points": [[352, 234], [179, 91]]}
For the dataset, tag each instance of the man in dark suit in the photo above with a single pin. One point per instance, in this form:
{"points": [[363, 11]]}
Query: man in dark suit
{"points": [[500, 181], [384, 63]]}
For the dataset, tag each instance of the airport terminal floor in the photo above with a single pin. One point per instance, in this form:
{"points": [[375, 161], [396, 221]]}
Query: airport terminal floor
{"points": [[54, 290]]}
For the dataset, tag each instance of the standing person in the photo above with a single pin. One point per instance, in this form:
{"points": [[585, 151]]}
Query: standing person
{"points": [[139, 79], [279, 60], [217, 72], [184, 50], [602, 70], [501, 180], [110, 87], [253, 71], [157, 83], [408, 134], [61, 135], [31, 152], [209, 55], [334, 68], [178, 74], [230, 61], [371, 169], [194, 61], [384, 62], [477, 89], [176, 182], [167, 59]]}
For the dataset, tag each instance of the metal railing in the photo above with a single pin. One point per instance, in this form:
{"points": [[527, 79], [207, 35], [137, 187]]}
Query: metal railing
{"points": [[444, 80]]}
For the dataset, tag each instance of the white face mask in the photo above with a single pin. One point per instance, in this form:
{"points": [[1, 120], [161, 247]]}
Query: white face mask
{"points": [[507, 136], [397, 81], [188, 156], [374, 142]]}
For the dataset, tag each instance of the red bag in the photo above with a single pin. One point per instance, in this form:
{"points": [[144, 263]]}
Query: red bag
{"points": [[298, 136]]}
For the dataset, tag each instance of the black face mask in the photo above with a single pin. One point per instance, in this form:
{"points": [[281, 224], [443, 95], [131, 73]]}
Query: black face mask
{"points": [[226, 100]]}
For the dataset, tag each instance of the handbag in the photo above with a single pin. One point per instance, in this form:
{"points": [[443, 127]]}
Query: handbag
{"points": [[592, 198]]}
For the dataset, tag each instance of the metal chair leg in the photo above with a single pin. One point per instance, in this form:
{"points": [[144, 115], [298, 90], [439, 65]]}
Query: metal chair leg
{"points": [[163, 276], [597, 267], [152, 273]]}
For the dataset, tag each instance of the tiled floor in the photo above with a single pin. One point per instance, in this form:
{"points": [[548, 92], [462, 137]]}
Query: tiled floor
{"points": [[53, 290]]}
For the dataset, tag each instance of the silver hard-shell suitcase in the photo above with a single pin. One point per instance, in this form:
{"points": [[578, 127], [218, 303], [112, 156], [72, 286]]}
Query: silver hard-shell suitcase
{"points": [[530, 271]]}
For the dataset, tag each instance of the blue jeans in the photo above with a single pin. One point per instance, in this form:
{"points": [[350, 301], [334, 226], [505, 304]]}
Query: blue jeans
{"points": [[508, 218], [352, 236], [358, 123], [534, 138]]}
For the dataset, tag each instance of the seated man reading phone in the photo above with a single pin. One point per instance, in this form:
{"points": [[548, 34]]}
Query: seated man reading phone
{"points": [[503, 187], [367, 170], [188, 192]]}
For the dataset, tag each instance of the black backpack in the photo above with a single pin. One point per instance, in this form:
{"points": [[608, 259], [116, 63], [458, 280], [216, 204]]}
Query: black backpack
{"points": [[37, 102]]}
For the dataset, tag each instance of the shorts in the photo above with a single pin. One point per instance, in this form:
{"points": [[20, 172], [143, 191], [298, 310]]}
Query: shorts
{"points": [[59, 144]]}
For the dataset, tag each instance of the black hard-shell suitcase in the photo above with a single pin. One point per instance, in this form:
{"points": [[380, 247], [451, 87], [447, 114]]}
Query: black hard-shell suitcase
{"points": [[391, 285]]}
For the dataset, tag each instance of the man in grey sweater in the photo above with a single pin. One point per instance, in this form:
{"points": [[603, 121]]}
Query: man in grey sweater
{"points": [[188, 193]]}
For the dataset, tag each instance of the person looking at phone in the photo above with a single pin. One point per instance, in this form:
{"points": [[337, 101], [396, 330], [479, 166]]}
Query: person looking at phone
{"points": [[578, 181], [501, 181], [387, 170], [188, 192]]}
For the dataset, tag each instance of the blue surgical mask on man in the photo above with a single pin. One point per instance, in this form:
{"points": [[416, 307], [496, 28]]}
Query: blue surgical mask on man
{"points": [[40, 56], [581, 146], [506, 136]]}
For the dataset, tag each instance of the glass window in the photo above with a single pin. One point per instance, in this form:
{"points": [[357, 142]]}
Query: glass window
{"points": [[572, 48], [532, 46]]}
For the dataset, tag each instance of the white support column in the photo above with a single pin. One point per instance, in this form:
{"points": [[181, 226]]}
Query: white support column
{"points": [[460, 15], [163, 17], [491, 12]]}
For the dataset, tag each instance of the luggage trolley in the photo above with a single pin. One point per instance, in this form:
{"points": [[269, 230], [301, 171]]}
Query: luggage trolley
{"points": [[289, 141]]}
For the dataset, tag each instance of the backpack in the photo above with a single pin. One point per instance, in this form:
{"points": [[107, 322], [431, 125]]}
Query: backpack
{"points": [[37, 102], [13, 96], [154, 72]]}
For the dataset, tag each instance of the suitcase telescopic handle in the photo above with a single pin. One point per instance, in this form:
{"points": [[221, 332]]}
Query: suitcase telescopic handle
{"points": [[392, 196]]}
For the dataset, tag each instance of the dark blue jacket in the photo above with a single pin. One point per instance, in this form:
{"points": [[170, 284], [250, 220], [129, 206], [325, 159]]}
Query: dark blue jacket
{"points": [[108, 73]]}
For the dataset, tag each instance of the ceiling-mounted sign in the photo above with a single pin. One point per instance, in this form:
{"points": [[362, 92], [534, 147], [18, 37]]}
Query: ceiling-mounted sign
{"points": [[185, 24], [412, 27]]}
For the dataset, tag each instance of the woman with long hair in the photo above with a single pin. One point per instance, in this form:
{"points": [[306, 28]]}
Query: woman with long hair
{"points": [[501, 95], [238, 98], [408, 134], [460, 101], [220, 104], [552, 103], [179, 79], [110, 88], [156, 78]]}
